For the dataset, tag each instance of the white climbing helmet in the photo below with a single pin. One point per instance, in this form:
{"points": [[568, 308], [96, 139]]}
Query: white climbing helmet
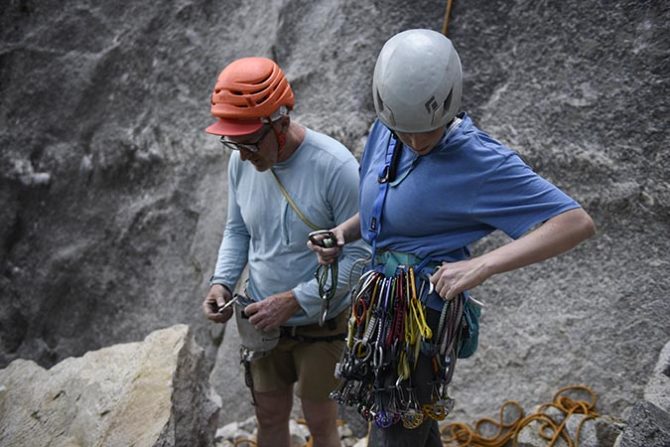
{"points": [[417, 82]]}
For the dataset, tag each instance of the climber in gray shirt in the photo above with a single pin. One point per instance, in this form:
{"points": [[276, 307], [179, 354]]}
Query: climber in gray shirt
{"points": [[251, 100]]}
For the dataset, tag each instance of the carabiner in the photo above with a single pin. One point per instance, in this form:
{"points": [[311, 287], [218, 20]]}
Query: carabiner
{"points": [[378, 357], [327, 241]]}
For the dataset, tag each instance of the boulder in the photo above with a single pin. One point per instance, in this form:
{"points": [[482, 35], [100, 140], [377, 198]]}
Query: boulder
{"points": [[648, 426], [596, 432], [657, 390], [150, 393]]}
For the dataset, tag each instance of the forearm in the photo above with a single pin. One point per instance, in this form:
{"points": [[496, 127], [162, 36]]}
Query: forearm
{"points": [[556, 236], [351, 228], [231, 259]]}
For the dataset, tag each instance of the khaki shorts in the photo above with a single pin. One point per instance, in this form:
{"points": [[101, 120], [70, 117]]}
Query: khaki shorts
{"points": [[309, 363]]}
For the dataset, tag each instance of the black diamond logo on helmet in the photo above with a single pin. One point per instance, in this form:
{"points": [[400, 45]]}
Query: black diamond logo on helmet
{"points": [[431, 105]]}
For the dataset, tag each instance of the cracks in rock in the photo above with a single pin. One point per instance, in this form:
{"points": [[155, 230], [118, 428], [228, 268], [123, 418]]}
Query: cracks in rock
{"points": [[15, 234]]}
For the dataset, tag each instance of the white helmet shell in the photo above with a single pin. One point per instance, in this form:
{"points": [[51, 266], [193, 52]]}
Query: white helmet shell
{"points": [[418, 81]]}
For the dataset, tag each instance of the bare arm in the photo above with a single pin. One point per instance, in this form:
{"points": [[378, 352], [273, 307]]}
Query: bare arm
{"points": [[350, 229], [558, 235], [347, 231]]}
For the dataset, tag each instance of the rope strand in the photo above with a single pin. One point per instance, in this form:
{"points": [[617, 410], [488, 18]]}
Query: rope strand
{"points": [[462, 435]]}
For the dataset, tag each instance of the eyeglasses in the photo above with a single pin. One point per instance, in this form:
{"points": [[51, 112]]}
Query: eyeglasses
{"points": [[251, 146]]}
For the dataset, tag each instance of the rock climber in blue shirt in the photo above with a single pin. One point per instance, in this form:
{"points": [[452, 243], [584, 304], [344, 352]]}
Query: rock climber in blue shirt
{"points": [[431, 183]]}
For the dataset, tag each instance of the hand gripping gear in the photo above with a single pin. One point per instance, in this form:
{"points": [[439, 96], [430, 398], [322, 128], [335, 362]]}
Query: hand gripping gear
{"points": [[255, 341]]}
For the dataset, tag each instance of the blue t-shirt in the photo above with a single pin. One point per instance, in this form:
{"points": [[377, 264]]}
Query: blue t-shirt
{"points": [[468, 186]]}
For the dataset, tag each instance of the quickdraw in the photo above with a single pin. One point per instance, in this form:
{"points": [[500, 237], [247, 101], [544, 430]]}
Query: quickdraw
{"points": [[327, 291], [386, 333]]}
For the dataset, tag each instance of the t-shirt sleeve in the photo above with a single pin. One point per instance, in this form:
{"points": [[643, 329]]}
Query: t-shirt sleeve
{"points": [[513, 198], [234, 248]]}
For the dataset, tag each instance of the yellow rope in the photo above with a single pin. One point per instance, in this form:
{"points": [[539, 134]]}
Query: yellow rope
{"points": [[462, 435], [445, 22]]}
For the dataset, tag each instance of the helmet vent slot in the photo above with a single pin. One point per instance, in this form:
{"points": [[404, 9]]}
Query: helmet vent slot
{"points": [[447, 102], [379, 100]]}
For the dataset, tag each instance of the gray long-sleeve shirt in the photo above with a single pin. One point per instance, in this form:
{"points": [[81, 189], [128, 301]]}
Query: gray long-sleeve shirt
{"points": [[321, 176]]}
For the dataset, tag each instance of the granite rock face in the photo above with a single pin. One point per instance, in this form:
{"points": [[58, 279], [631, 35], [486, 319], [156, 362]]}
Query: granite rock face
{"points": [[657, 390], [597, 432], [151, 393], [648, 426], [648, 421], [112, 199]]}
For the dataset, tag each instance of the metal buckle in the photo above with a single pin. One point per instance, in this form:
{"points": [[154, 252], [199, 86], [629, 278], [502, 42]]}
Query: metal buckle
{"points": [[384, 178]]}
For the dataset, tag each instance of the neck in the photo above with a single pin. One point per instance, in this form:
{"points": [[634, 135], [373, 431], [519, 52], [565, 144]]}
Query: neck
{"points": [[294, 137]]}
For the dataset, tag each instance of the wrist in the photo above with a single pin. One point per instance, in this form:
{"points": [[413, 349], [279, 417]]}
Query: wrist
{"points": [[350, 229], [291, 298], [348, 233], [488, 265], [218, 280], [224, 288]]}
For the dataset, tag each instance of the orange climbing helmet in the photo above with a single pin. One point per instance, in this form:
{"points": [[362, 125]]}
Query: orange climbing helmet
{"points": [[249, 92]]}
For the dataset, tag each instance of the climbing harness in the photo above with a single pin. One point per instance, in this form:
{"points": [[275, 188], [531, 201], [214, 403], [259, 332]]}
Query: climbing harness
{"points": [[551, 428]]}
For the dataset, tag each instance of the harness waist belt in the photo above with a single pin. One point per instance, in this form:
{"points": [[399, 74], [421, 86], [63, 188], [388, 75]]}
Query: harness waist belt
{"points": [[289, 332]]}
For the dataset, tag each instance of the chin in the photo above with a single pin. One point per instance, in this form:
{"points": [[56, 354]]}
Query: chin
{"points": [[423, 151]]}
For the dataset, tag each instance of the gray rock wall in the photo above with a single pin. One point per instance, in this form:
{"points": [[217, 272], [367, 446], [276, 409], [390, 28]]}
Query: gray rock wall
{"points": [[112, 199]]}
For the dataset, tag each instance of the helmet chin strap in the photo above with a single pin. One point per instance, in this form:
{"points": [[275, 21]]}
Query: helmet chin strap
{"points": [[281, 134], [281, 141]]}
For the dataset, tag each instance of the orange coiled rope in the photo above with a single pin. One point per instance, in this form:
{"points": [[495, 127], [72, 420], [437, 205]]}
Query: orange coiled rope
{"points": [[462, 435]]}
